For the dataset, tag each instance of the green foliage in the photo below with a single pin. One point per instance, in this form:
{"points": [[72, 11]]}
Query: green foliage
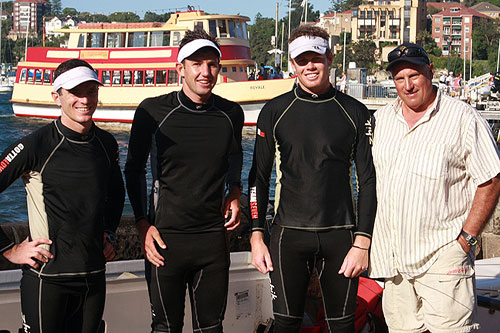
{"points": [[260, 40], [154, 17], [69, 12], [124, 17], [8, 6], [55, 7], [343, 5], [93, 18], [364, 53]]}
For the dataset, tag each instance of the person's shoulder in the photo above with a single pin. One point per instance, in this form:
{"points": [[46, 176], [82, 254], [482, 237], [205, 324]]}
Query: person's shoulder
{"points": [[350, 103], [155, 101], [226, 104]]}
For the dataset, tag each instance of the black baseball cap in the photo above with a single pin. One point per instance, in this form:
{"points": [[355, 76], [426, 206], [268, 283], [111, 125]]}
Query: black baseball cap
{"points": [[408, 52]]}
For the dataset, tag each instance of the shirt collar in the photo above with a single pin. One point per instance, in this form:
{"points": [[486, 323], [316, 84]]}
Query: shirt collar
{"points": [[301, 93], [189, 104], [72, 135], [431, 111]]}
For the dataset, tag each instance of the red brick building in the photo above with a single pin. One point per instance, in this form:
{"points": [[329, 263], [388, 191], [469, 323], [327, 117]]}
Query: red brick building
{"points": [[452, 28]]}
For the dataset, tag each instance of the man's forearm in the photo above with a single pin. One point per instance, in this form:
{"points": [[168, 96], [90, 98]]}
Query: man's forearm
{"points": [[484, 203]]}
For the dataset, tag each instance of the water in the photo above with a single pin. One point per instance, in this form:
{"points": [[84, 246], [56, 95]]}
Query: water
{"points": [[13, 199]]}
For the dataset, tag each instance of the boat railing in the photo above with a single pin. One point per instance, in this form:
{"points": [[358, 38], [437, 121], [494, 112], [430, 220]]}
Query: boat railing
{"points": [[370, 91]]}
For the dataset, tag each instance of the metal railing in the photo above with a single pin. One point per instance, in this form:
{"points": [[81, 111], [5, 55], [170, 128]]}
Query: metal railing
{"points": [[360, 90]]}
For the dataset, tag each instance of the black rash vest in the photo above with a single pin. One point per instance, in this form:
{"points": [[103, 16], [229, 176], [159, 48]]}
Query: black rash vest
{"points": [[195, 150], [74, 193], [314, 140]]}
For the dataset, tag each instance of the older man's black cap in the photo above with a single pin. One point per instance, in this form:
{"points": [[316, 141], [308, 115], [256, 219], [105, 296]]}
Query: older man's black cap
{"points": [[408, 52]]}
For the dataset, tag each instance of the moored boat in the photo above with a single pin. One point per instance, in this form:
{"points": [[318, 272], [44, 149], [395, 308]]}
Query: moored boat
{"points": [[137, 60]]}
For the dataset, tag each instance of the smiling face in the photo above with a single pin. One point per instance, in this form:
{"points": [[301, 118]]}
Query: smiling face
{"points": [[200, 75], [414, 85], [78, 105], [312, 71]]}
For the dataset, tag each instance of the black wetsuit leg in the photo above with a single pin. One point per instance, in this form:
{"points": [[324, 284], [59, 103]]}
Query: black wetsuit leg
{"points": [[62, 305], [294, 254], [200, 262]]}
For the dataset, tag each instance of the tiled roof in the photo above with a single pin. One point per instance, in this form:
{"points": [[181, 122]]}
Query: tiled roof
{"points": [[485, 7], [462, 12]]}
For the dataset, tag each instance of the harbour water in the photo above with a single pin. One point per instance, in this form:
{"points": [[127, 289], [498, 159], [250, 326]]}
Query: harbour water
{"points": [[12, 128]]}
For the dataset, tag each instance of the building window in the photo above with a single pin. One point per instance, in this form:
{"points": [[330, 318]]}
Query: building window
{"points": [[438, 29], [467, 19], [437, 39], [466, 29], [224, 69]]}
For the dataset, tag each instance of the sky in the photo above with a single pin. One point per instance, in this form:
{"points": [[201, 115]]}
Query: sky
{"points": [[244, 7]]}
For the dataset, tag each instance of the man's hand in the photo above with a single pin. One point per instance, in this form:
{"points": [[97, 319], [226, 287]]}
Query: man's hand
{"points": [[148, 235], [261, 258], [26, 252], [232, 202], [109, 250], [356, 260]]}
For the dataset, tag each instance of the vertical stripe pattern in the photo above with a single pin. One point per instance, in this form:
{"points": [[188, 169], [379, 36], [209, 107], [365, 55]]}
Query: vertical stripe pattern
{"points": [[426, 180]]}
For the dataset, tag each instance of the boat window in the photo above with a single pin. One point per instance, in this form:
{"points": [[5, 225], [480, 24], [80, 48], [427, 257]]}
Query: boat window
{"points": [[150, 76], [233, 69], [198, 26], [47, 76], [159, 38], [137, 39], [161, 76], [222, 28], [117, 78], [81, 40], [172, 76], [95, 39], [244, 26], [232, 30], [116, 39], [212, 28], [31, 75], [38, 76], [23, 75], [224, 69], [176, 39], [127, 77], [241, 69], [239, 32], [106, 78], [138, 78]]}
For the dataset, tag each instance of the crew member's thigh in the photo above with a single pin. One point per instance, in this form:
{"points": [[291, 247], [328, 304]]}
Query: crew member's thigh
{"points": [[448, 292], [94, 299], [402, 306], [167, 288], [292, 253], [339, 293], [208, 280]]}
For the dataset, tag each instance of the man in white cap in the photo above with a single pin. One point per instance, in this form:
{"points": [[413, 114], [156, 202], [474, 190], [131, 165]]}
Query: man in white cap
{"points": [[75, 198], [315, 134], [193, 138]]}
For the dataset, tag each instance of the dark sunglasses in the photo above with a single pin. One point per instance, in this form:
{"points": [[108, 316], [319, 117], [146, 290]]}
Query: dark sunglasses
{"points": [[407, 52]]}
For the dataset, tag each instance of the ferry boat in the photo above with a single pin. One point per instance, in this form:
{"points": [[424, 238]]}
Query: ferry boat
{"points": [[137, 60]]}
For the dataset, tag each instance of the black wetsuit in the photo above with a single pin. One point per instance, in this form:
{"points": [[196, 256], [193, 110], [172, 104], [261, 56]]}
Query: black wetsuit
{"points": [[195, 153], [315, 141], [75, 193]]}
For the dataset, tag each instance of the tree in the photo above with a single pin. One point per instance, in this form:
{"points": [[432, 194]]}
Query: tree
{"points": [[260, 39], [70, 12], [154, 17], [424, 38], [343, 5], [124, 17], [55, 7], [93, 18], [364, 53], [8, 6]]}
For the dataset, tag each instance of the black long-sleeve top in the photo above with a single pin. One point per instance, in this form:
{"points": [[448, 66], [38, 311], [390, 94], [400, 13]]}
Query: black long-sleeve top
{"points": [[314, 141], [74, 190], [195, 151]]}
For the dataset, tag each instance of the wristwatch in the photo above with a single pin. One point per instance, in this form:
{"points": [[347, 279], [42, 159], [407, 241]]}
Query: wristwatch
{"points": [[471, 240]]}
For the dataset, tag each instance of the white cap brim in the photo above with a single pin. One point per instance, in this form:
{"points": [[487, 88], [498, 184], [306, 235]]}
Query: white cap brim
{"points": [[308, 43], [190, 48], [75, 76]]}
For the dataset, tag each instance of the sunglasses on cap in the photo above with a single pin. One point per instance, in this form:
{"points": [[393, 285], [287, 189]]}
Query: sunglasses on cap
{"points": [[409, 51]]}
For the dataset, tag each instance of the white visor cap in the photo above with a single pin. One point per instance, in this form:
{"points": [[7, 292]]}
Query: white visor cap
{"points": [[308, 43], [193, 46], [75, 76]]}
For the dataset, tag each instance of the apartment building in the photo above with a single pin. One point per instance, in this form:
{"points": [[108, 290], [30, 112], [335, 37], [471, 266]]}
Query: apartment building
{"points": [[452, 28], [396, 21], [29, 12], [336, 23]]}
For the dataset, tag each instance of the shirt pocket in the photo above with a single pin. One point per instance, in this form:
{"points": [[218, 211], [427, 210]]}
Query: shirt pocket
{"points": [[430, 161]]}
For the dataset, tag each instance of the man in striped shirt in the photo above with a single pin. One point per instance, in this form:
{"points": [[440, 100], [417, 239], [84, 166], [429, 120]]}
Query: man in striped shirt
{"points": [[437, 169]]}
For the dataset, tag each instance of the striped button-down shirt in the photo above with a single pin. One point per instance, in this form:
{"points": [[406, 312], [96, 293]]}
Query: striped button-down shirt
{"points": [[426, 180]]}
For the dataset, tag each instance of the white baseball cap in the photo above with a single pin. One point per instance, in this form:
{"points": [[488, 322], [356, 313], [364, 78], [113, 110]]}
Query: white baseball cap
{"points": [[75, 76], [308, 43]]}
